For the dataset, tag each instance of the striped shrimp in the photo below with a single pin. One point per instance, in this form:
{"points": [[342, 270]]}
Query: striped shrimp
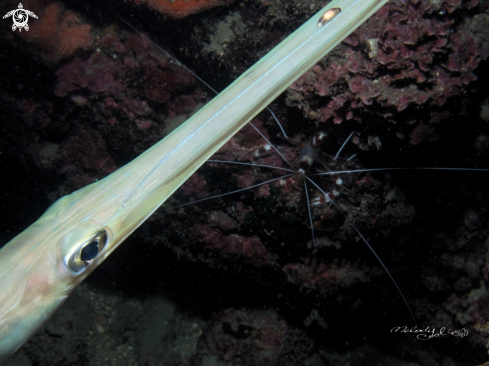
{"points": [[364, 200], [373, 230]]}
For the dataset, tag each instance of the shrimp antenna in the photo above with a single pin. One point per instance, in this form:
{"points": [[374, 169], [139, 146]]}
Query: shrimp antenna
{"points": [[228, 193], [193, 73], [400, 168], [310, 220], [342, 146], [249, 164], [314, 242], [373, 251]]}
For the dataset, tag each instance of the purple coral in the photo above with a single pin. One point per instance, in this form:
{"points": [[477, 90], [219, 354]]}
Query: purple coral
{"points": [[250, 249], [96, 75], [406, 55], [325, 278]]}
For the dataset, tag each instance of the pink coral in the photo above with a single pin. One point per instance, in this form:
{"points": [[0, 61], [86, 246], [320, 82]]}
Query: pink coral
{"points": [[250, 249], [181, 8], [94, 74], [58, 33], [404, 56], [87, 152], [222, 221], [324, 278], [196, 184], [107, 73]]}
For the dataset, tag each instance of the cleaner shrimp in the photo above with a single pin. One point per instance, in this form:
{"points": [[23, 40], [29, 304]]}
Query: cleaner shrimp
{"points": [[422, 237]]}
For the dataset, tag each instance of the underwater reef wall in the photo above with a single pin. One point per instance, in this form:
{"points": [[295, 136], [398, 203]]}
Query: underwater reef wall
{"points": [[85, 94]]}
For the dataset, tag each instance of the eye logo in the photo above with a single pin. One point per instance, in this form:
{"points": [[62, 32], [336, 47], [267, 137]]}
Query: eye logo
{"points": [[20, 17]]}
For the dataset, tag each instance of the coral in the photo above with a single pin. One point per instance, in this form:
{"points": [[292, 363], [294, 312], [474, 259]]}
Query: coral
{"points": [[95, 74], [184, 106], [484, 329], [85, 154], [406, 55], [157, 84], [196, 185], [325, 278], [58, 33], [470, 309], [222, 221], [249, 249], [135, 107], [181, 8], [123, 61], [153, 90], [254, 338], [420, 133]]}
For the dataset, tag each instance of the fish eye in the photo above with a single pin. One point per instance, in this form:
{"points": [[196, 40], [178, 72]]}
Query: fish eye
{"points": [[89, 251], [81, 258], [326, 17]]}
